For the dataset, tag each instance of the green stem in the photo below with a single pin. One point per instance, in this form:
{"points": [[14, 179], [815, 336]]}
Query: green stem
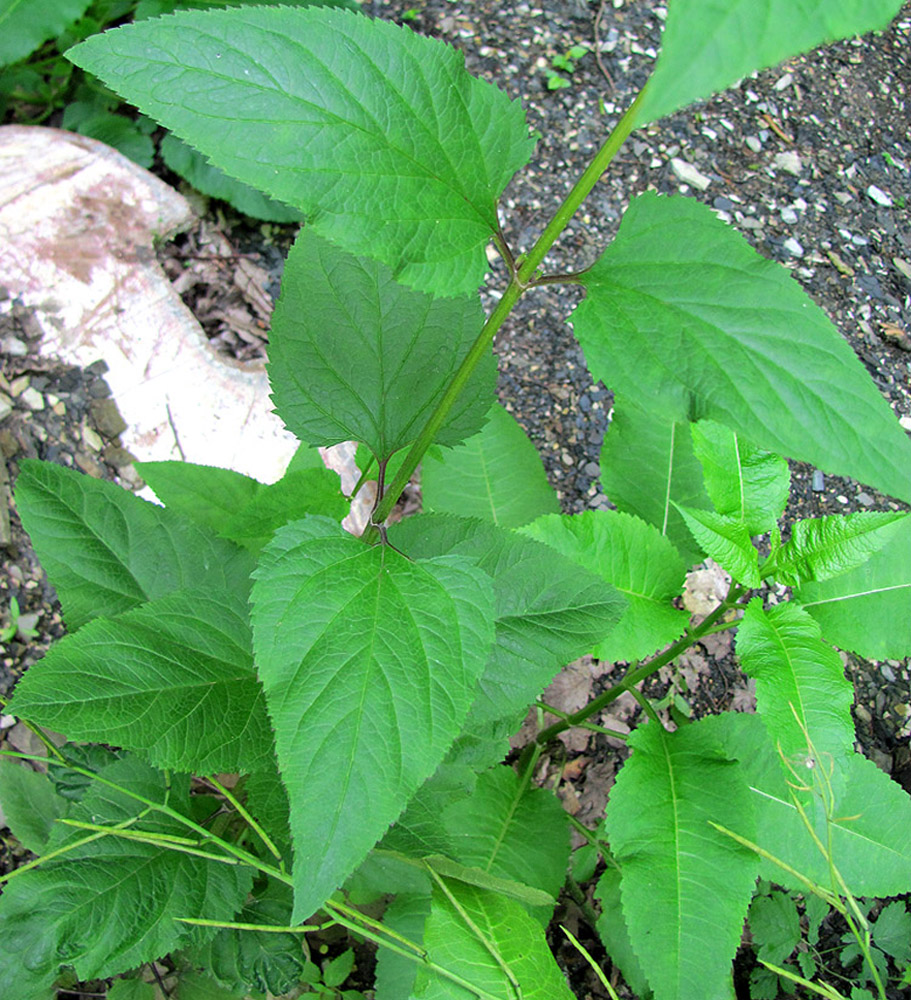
{"points": [[265, 928], [249, 820], [40, 733]]}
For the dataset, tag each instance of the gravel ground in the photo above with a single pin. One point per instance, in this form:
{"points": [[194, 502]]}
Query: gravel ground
{"points": [[811, 162]]}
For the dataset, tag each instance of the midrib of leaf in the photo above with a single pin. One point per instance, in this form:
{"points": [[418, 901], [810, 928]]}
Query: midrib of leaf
{"points": [[670, 478], [740, 483], [859, 593], [507, 821], [824, 545], [11, 10], [482, 462], [677, 851]]}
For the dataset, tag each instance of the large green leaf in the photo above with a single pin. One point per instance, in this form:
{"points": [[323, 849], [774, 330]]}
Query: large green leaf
{"points": [[106, 551], [647, 465], [710, 44], [379, 135], [496, 475], [369, 662], [866, 610], [746, 484], [173, 679], [29, 804], [614, 933], [685, 887], [355, 355], [801, 690], [24, 24], [111, 904], [479, 935], [682, 306], [639, 561]]}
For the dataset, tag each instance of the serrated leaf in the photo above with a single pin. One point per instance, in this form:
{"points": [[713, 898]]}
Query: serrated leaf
{"points": [[744, 483], [390, 356], [685, 887], [173, 679], [131, 989], [866, 609], [194, 168], [892, 931], [198, 986], [801, 689], [823, 547], [708, 46], [106, 551], [648, 464], [636, 559], [369, 662], [500, 934], [117, 131], [433, 146], [29, 804], [155, 8], [267, 802], [725, 540], [24, 25], [775, 925], [682, 307], [495, 475], [614, 933]]}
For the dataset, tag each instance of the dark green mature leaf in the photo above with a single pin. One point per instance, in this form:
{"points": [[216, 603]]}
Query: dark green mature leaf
{"points": [[548, 610], [682, 306], [380, 136], [823, 547], [496, 475], [727, 541], [267, 801], [638, 560], [29, 804], [106, 551], [801, 689], [775, 925], [710, 44], [24, 25], [155, 8], [173, 679], [647, 464], [685, 887], [614, 933], [369, 662], [744, 483], [118, 131], [109, 905], [395, 974], [355, 355], [500, 936], [866, 609]]}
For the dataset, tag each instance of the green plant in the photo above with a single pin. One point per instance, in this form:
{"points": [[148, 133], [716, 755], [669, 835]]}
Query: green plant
{"points": [[565, 63], [15, 626], [364, 689]]}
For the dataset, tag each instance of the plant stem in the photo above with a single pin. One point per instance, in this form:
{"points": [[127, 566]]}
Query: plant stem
{"points": [[265, 928], [249, 820]]}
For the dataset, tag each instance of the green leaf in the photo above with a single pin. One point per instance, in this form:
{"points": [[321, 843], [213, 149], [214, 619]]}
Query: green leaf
{"points": [[614, 933], [708, 46], [823, 547], [369, 662], [111, 904], [24, 26], [636, 559], [29, 804], [801, 689], [267, 802], [173, 679], [866, 609], [744, 483], [471, 875], [477, 935], [106, 551], [685, 887], [198, 986], [647, 464], [892, 931], [336, 971], [433, 148], [131, 989], [496, 475], [727, 541], [682, 307], [548, 610], [390, 356], [775, 925], [395, 974], [155, 8], [194, 168], [114, 130]]}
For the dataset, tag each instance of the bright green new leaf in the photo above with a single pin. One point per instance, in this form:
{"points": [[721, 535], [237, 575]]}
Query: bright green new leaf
{"points": [[727, 541], [681, 306], [614, 933], [172, 679], [647, 465], [710, 44], [491, 943], [823, 547], [378, 135], [744, 483], [24, 24], [496, 475], [866, 609], [369, 662], [29, 804], [355, 355], [801, 689], [685, 887], [638, 560], [107, 551]]}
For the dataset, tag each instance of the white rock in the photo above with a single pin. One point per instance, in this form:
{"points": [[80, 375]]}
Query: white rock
{"points": [[32, 399], [789, 215], [687, 173], [789, 162], [784, 81], [753, 142], [879, 196], [905, 422], [793, 247]]}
